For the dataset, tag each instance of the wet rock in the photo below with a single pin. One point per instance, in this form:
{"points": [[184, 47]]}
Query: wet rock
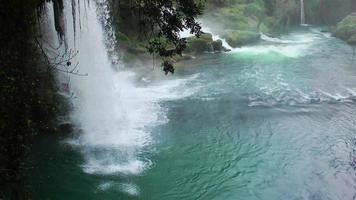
{"points": [[204, 43], [200, 44], [240, 38], [218, 46], [346, 29]]}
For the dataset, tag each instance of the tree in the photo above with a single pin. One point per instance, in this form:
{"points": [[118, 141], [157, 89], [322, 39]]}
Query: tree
{"points": [[161, 21]]}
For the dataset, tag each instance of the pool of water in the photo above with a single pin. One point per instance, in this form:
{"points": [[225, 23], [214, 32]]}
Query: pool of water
{"points": [[275, 120]]}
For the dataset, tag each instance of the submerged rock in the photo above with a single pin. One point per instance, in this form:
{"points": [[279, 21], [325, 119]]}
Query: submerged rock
{"points": [[239, 38], [346, 29]]}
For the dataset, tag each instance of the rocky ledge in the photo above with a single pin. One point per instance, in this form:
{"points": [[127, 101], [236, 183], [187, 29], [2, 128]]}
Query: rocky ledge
{"points": [[346, 29]]}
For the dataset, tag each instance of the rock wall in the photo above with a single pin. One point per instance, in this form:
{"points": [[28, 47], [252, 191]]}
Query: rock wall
{"points": [[328, 12]]}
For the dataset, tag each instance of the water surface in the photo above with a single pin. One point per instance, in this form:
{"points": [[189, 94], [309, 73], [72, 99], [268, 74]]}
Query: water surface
{"points": [[271, 121]]}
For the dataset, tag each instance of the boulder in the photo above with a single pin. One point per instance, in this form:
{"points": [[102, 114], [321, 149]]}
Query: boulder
{"points": [[200, 44], [239, 38], [218, 46], [346, 29], [204, 43]]}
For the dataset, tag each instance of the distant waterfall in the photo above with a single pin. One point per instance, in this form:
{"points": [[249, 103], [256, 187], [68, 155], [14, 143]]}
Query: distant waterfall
{"points": [[302, 12]]}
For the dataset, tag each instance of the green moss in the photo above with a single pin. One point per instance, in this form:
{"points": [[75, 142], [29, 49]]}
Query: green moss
{"points": [[206, 37], [199, 44], [346, 27], [239, 38]]}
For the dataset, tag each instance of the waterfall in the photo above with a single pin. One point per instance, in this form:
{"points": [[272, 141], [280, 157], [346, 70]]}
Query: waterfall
{"points": [[113, 114], [110, 112], [302, 12]]}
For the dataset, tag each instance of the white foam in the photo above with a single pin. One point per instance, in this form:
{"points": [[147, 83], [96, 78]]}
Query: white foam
{"points": [[293, 45], [127, 188], [216, 37], [276, 40], [105, 186], [186, 33], [130, 189], [292, 51], [105, 167]]}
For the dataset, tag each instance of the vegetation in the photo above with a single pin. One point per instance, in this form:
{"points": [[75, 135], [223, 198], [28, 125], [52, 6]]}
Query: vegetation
{"points": [[28, 98], [156, 24]]}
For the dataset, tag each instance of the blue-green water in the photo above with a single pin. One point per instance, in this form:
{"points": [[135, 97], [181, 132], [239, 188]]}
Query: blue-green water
{"points": [[272, 121]]}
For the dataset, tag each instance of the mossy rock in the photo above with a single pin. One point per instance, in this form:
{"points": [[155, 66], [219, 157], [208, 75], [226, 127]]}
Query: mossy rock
{"points": [[200, 44], [346, 28], [239, 38], [218, 45], [206, 37]]}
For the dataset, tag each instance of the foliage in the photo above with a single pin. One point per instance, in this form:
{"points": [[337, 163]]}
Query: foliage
{"points": [[166, 19], [161, 21]]}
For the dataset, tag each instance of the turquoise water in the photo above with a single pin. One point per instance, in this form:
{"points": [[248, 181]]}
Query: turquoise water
{"points": [[271, 121]]}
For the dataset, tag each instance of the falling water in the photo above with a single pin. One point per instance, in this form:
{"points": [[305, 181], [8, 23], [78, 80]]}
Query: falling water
{"points": [[302, 12], [113, 114]]}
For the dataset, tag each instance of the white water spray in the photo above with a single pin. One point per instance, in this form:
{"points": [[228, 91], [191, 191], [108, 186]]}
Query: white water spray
{"points": [[205, 29]]}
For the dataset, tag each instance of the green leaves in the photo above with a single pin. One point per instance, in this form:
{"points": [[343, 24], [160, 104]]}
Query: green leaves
{"points": [[163, 20]]}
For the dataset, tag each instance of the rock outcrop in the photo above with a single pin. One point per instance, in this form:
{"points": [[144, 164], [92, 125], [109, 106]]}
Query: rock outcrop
{"points": [[346, 29], [204, 43], [239, 38]]}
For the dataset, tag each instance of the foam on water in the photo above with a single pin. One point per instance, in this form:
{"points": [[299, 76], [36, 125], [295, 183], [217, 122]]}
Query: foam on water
{"points": [[293, 45], [216, 37], [277, 40], [127, 188], [186, 33]]}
